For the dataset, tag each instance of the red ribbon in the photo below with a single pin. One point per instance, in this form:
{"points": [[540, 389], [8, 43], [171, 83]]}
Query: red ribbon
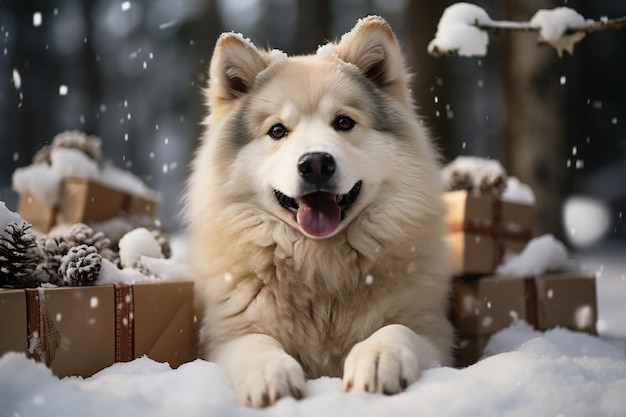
{"points": [[124, 323]]}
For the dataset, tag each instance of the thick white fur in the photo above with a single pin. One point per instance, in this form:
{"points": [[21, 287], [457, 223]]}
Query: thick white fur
{"points": [[368, 302]]}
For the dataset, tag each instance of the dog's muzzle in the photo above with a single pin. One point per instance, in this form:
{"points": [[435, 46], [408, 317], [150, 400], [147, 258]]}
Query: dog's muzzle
{"points": [[319, 213]]}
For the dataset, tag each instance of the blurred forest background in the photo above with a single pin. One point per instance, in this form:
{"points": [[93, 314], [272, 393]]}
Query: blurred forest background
{"points": [[132, 72]]}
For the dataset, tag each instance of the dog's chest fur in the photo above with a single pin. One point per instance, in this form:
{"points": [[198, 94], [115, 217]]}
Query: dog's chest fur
{"points": [[308, 298], [315, 321]]}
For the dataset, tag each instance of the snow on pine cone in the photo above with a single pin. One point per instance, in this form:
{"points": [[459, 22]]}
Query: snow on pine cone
{"points": [[80, 266], [80, 233]]}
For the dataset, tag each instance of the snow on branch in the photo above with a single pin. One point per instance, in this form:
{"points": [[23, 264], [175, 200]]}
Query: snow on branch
{"points": [[463, 29]]}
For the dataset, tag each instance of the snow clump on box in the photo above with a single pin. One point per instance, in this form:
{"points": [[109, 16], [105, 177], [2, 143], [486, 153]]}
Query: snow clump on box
{"points": [[542, 254], [485, 177], [73, 154], [518, 192]]}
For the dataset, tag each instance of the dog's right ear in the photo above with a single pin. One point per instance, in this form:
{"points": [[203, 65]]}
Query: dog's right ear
{"points": [[374, 49], [234, 67]]}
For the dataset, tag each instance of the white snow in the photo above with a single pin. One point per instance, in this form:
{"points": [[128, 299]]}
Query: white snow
{"points": [[37, 18], [111, 274], [277, 55], [553, 23], [326, 49], [523, 373], [124, 180], [586, 220], [39, 181], [244, 39], [72, 163], [7, 216], [17, 79], [542, 254], [457, 31], [518, 192], [162, 268], [142, 260], [137, 243]]}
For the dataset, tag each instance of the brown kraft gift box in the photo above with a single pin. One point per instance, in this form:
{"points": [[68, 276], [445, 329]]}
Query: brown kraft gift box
{"points": [[83, 200], [483, 306], [82, 330], [481, 230]]}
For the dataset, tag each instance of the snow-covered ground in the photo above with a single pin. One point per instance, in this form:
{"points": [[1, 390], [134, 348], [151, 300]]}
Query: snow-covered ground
{"points": [[524, 373]]}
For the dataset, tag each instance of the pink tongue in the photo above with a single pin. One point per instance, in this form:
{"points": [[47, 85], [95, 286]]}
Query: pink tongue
{"points": [[318, 213]]}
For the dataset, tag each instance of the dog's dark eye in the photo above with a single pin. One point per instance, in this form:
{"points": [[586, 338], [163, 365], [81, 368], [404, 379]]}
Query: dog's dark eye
{"points": [[343, 123], [277, 131]]}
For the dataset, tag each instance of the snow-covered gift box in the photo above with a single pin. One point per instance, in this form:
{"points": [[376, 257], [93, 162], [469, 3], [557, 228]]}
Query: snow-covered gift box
{"points": [[83, 200], [81, 330], [483, 306], [482, 229], [69, 182]]}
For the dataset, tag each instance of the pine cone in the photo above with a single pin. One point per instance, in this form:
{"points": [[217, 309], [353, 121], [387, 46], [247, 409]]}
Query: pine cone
{"points": [[53, 249], [492, 185], [56, 249], [81, 233], [80, 266], [478, 175], [19, 256], [459, 181], [89, 145]]}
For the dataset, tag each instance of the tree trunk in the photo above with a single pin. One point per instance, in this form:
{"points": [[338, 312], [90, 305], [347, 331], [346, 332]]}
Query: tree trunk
{"points": [[427, 71], [535, 127]]}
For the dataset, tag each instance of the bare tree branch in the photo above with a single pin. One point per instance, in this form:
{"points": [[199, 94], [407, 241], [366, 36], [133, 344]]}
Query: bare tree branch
{"points": [[601, 24]]}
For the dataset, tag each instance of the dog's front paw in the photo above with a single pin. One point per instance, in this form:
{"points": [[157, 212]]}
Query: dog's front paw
{"points": [[268, 379], [386, 362], [260, 370]]}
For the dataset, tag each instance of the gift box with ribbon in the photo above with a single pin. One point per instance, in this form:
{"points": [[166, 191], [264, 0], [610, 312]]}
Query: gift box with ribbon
{"points": [[483, 306], [83, 200], [482, 229], [82, 330]]}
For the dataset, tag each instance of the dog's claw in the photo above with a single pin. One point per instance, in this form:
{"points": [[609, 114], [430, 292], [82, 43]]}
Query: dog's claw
{"points": [[296, 393], [348, 386]]}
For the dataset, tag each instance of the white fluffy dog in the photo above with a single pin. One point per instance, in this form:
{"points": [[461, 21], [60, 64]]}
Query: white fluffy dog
{"points": [[315, 220]]}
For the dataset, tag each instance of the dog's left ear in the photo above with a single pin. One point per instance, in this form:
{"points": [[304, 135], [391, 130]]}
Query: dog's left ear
{"points": [[234, 67], [373, 48]]}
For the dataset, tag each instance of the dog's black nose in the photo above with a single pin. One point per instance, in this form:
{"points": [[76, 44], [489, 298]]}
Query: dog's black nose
{"points": [[316, 167]]}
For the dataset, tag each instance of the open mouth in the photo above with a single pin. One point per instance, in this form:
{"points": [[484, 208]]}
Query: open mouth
{"points": [[319, 213]]}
